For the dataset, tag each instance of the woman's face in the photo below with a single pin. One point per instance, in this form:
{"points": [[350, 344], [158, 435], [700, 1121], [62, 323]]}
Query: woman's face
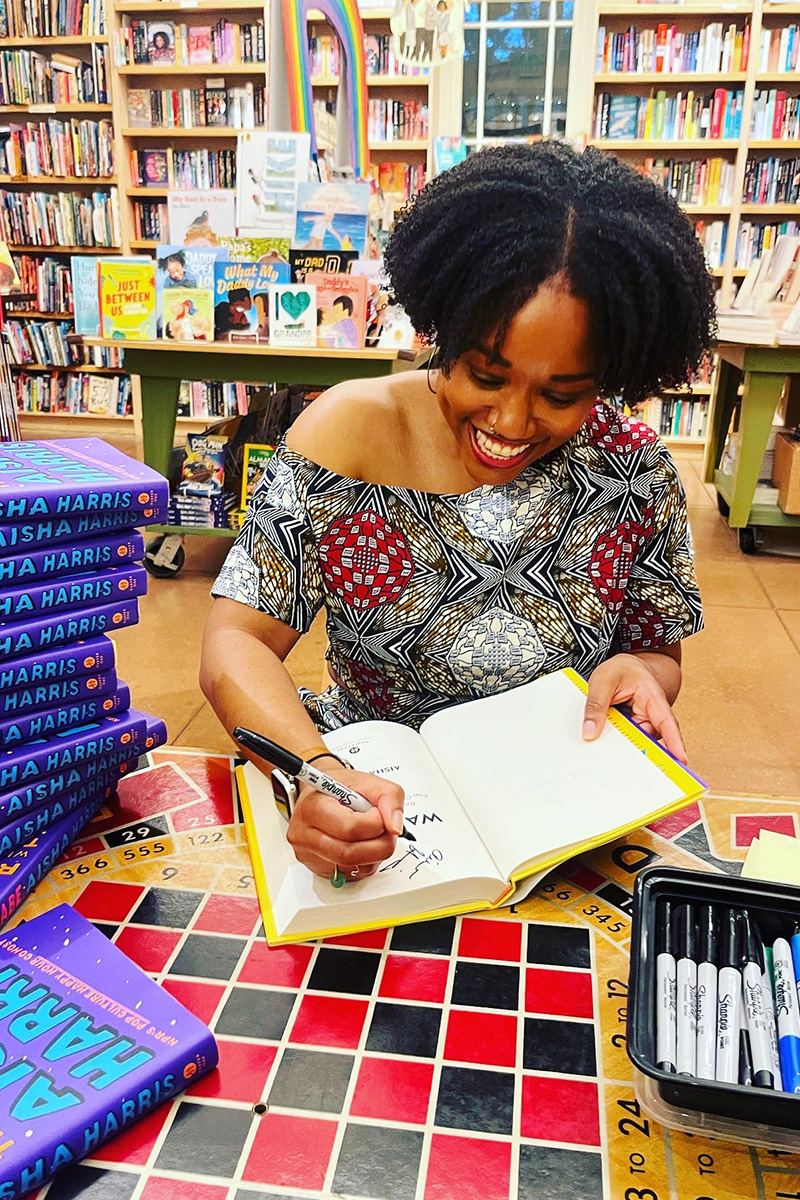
{"points": [[535, 396]]}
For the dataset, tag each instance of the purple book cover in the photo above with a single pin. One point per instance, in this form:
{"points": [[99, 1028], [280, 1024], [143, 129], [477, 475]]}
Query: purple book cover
{"points": [[93, 744], [66, 784], [74, 476], [61, 692], [75, 591], [48, 632], [85, 658], [56, 531], [14, 834], [113, 550], [116, 1045], [156, 735], [30, 726]]}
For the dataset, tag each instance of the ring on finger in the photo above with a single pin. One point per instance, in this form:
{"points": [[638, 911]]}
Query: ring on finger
{"points": [[337, 878], [356, 871]]}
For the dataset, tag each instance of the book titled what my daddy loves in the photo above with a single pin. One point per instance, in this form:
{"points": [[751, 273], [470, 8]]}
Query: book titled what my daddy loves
{"points": [[91, 1045], [498, 791]]}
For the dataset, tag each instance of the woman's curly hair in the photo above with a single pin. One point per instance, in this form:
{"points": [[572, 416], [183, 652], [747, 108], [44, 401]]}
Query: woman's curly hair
{"points": [[480, 239]]}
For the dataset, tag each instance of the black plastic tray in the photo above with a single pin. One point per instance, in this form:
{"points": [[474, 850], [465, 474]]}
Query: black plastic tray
{"points": [[775, 908]]}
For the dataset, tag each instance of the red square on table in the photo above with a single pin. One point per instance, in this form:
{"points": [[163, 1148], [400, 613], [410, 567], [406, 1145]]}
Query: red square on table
{"points": [[464, 1168], [368, 939], [134, 1144], [670, 826], [559, 993], [408, 978], [201, 999], [748, 827], [490, 939], [281, 966], [560, 1110], [158, 1188], [228, 914], [290, 1152], [107, 901], [241, 1074], [390, 1090], [329, 1021], [149, 948], [478, 1037]]}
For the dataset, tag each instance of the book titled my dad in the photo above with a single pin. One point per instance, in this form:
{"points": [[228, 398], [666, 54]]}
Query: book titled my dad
{"points": [[113, 550], [74, 476], [91, 1046]]}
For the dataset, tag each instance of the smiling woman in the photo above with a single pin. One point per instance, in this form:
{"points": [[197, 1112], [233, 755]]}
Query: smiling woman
{"points": [[495, 520]]}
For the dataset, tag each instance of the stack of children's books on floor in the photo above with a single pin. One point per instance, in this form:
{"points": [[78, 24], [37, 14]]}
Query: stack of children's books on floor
{"points": [[200, 499], [70, 574]]}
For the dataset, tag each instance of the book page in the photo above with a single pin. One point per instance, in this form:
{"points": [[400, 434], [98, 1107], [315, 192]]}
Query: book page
{"points": [[521, 769]]}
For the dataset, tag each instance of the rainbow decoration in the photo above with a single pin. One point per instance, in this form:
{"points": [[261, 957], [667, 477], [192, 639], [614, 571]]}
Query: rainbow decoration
{"points": [[345, 19]]}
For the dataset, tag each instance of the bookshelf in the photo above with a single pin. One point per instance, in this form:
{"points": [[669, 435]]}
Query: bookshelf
{"points": [[739, 221]]}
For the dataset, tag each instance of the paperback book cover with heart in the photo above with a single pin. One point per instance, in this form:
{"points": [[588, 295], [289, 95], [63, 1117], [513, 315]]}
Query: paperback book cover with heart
{"points": [[292, 314], [241, 301]]}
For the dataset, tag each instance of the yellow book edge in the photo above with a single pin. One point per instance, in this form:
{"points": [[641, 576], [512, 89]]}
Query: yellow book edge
{"points": [[685, 780]]}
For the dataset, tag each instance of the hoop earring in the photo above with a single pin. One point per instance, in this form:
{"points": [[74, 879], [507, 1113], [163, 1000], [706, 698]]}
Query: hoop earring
{"points": [[432, 366]]}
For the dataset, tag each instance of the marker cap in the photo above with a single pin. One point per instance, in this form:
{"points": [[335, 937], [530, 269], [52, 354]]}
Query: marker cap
{"points": [[665, 928], [684, 931], [731, 948], [709, 934], [752, 950]]}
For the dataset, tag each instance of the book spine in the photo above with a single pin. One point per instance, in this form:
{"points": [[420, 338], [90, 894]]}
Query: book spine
{"points": [[78, 484], [90, 555], [27, 637], [76, 780], [51, 532], [156, 733], [73, 748], [99, 587], [15, 833], [31, 726], [14, 705], [85, 658]]}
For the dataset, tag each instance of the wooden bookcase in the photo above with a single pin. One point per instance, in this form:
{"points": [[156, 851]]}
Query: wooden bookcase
{"points": [[692, 15]]}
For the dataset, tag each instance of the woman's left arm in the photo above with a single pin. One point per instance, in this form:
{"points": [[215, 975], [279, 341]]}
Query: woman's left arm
{"points": [[647, 682]]}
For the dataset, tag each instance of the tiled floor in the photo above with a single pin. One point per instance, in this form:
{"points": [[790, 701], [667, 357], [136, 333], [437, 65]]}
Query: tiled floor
{"points": [[741, 696]]}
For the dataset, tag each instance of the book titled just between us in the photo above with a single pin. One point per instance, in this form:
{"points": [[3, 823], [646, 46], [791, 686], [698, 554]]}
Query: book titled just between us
{"points": [[498, 792]]}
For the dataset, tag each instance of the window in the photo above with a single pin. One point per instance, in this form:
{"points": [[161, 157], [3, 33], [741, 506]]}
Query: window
{"points": [[516, 69]]}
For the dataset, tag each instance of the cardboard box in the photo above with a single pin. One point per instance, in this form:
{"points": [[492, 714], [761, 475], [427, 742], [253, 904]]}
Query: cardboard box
{"points": [[786, 473]]}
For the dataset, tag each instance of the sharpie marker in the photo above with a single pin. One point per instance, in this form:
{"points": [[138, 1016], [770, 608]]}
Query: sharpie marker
{"points": [[707, 994], [796, 956], [756, 1019], [666, 985], [686, 1048], [788, 1010], [768, 992], [729, 1000], [745, 1051]]}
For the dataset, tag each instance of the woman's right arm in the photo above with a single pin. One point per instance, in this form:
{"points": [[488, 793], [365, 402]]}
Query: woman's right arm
{"points": [[243, 676]]}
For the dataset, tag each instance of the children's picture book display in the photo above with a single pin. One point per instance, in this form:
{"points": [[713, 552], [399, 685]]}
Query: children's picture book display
{"points": [[256, 460], [269, 168], [292, 314], [201, 217], [332, 216], [203, 470], [127, 299], [341, 310], [185, 285], [241, 300]]}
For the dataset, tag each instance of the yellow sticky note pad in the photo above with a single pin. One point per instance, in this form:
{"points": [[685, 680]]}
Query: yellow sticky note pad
{"points": [[775, 857]]}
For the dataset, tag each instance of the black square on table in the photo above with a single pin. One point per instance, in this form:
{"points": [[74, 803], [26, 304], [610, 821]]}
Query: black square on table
{"points": [[106, 930], [479, 1100], [352, 971], [208, 956], [566, 1047], [559, 1174], [255, 1013], [93, 1183], [164, 907], [374, 1161], [205, 1140], [486, 985], [243, 1194], [403, 1029], [311, 1079], [426, 937], [558, 946]]}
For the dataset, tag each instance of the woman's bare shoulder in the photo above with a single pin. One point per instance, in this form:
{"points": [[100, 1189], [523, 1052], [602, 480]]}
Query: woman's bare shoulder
{"points": [[351, 423]]}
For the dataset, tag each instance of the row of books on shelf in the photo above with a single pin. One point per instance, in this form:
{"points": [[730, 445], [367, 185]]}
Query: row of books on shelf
{"points": [[29, 77], [47, 280], [676, 416], [682, 116], [714, 49], [397, 120], [163, 42], [779, 50], [400, 181], [52, 18], [209, 398], [693, 181], [325, 56], [42, 343], [766, 308], [776, 115], [753, 238], [53, 147], [60, 218], [183, 169], [150, 221], [76, 393], [772, 180], [713, 237], [241, 107]]}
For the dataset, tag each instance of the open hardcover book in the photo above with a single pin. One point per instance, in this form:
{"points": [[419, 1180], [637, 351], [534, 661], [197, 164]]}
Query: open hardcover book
{"points": [[498, 791]]}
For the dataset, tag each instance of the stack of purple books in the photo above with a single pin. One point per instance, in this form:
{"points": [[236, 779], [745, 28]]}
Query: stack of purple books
{"points": [[70, 574]]}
